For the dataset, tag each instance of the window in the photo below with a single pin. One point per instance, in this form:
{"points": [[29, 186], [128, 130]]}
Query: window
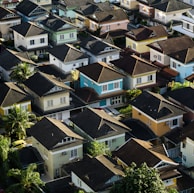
{"points": [[188, 26], [103, 59], [138, 80], [24, 107], [42, 40], [173, 64], [62, 100], [108, 27], [175, 122], [150, 78], [62, 37], [116, 85], [134, 46], [116, 100], [49, 103], [159, 57], [104, 87], [71, 35], [31, 42], [73, 153], [193, 68]]}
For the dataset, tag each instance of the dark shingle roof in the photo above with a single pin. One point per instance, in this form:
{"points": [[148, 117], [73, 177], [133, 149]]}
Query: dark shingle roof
{"points": [[100, 72], [49, 132], [4, 12]]}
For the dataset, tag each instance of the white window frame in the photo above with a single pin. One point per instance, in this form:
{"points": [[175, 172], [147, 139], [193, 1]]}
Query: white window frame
{"points": [[105, 87], [50, 103], [73, 153], [138, 80]]}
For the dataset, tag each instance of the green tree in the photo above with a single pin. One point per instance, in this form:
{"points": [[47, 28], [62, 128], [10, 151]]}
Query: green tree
{"points": [[21, 73], [141, 179], [26, 181], [177, 85], [133, 93], [16, 122], [96, 148], [127, 111]]}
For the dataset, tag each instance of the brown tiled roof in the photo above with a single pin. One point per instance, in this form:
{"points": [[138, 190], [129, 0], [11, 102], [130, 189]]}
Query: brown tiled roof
{"points": [[190, 78]]}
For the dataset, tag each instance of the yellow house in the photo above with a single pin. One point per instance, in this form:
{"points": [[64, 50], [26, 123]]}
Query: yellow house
{"points": [[11, 95], [138, 39], [158, 113]]}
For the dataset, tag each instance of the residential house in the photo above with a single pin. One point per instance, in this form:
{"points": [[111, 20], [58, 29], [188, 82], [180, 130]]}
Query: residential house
{"points": [[9, 60], [129, 4], [51, 96], [101, 85], [187, 24], [97, 125], [183, 62], [139, 73], [29, 37], [138, 39], [160, 50], [10, 4], [184, 98], [158, 113], [43, 3], [30, 11], [8, 19], [60, 31], [98, 50], [56, 143], [154, 156], [11, 95], [170, 11], [67, 57], [96, 174]]}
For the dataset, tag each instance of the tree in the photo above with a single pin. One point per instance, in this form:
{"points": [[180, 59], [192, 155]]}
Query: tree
{"points": [[177, 85], [141, 179], [16, 122], [27, 181], [21, 73], [133, 93]]}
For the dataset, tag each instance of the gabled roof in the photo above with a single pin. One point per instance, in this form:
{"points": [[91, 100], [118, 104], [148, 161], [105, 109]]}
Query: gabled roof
{"points": [[27, 29], [10, 59], [139, 151], [95, 45], [98, 124], [171, 5], [134, 65], [41, 83], [100, 72], [75, 3], [145, 33], [4, 12], [49, 132], [184, 96], [172, 45], [67, 53], [11, 94], [185, 56], [156, 106]]}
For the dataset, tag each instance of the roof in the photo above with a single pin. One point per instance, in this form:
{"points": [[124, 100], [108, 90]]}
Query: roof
{"points": [[49, 132], [75, 3], [156, 106], [27, 29], [4, 12], [10, 59], [185, 56], [134, 65], [172, 45], [45, 83], [100, 72], [169, 172], [98, 124], [171, 5], [145, 33], [184, 96], [67, 53], [133, 148]]}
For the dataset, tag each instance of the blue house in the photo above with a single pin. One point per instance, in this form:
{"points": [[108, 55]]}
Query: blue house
{"points": [[101, 85], [183, 62]]}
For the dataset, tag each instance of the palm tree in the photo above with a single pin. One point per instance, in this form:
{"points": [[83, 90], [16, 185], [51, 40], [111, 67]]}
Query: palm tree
{"points": [[16, 122], [21, 73], [27, 181]]}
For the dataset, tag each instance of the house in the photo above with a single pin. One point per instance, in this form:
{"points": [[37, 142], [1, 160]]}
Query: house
{"points": [[129, 4], [183, 62], [158, 113], [67, 57], [60, 31], [56, 143], [101, 85], [9, 60], [98, 50], [11, 4], [186, 25], [29, 37], [30, 11], [160, 50], [139, 73], [96, 174], [51, 96], [11, 95], [170, 11], [43, 3], [138, 39], [154, 156], [8, 19], [95, 124], [184, 98]]}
